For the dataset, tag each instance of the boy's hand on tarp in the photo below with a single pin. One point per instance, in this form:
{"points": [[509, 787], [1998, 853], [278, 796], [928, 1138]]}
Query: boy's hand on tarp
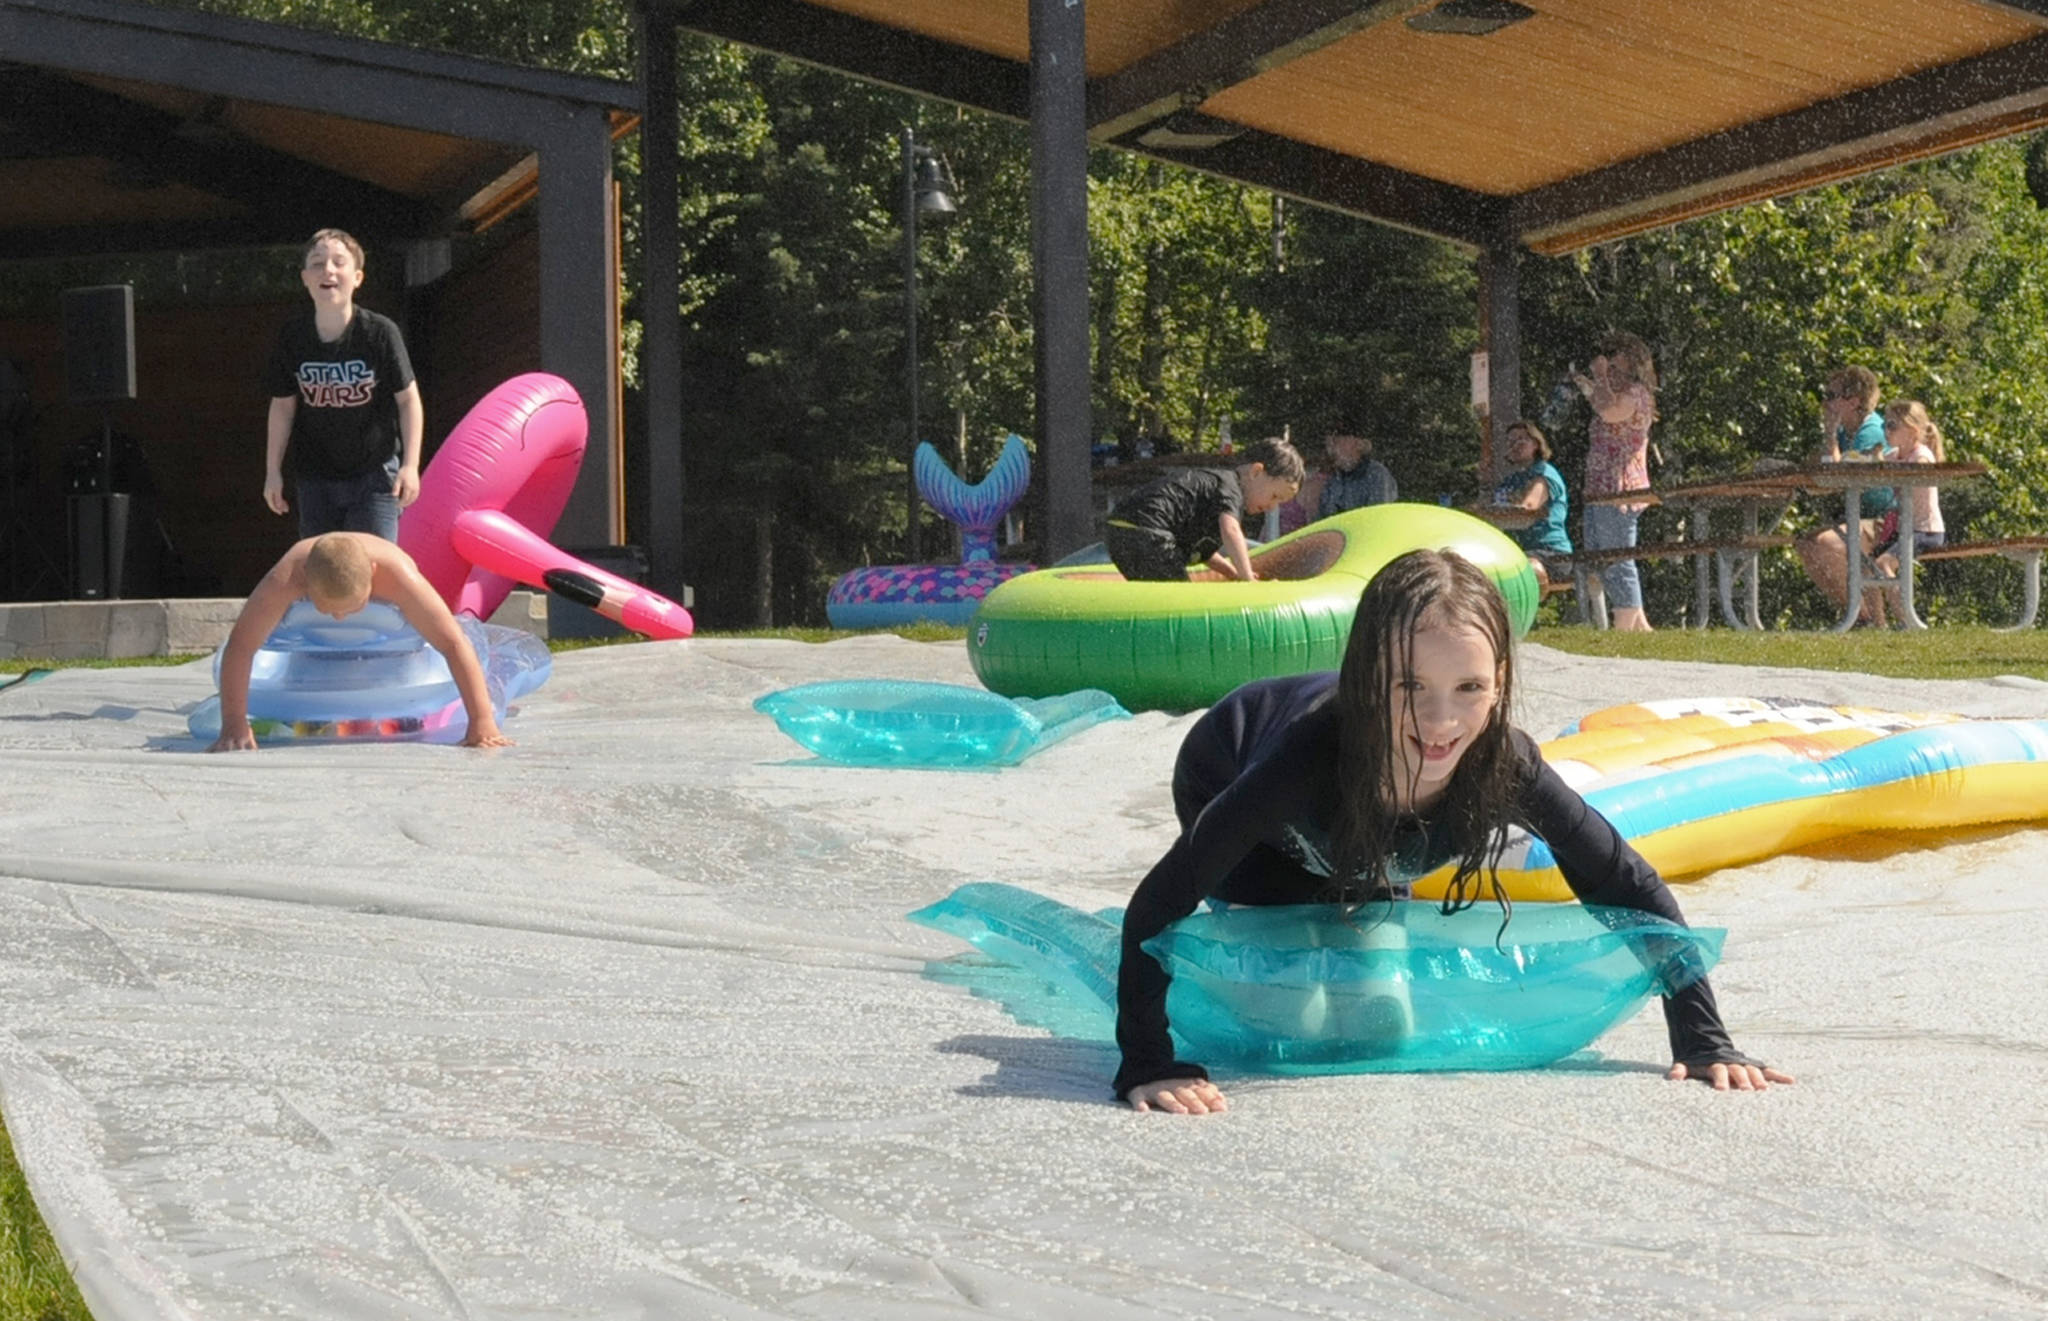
{"points": [[242, 739]]}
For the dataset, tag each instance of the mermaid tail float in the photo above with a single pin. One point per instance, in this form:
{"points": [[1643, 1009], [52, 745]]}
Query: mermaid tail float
{"points": [[1310, 989], [879, 595], [492, 494]]}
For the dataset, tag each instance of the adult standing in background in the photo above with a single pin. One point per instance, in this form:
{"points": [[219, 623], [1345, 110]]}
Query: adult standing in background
{"points": [[343, 404], [1345, 476], [1356, 479], [1621, 385]]}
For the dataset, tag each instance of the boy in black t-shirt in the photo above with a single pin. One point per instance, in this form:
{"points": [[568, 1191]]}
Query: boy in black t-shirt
{"points": [[344, 403], [1154, 531]]}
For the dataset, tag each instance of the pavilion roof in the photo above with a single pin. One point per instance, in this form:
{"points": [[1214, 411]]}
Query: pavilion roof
{"points": [[1585, 120]]}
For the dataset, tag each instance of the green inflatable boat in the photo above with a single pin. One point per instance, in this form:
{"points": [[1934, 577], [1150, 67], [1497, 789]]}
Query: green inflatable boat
{"points": [[1177, 646]]}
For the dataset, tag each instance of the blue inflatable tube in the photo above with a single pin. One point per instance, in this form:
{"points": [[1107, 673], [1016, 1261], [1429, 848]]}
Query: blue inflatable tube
{"points": [[934, 726], [1317, 989], [371, 676]]}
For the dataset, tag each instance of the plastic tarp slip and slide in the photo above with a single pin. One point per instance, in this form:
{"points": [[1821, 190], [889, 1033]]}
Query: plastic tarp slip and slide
{"points": [[625, 1023]]}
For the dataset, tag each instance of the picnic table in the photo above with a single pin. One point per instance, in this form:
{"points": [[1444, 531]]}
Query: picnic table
{"points": [[1753, 496], [1508, 518]]}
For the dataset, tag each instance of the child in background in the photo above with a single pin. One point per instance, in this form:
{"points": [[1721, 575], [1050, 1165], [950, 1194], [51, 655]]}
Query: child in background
{"points": [[343, 404], [1154, 532], [1536, 485], [340, 572], [1912, 433], [1852, 430], [1340, 788]]}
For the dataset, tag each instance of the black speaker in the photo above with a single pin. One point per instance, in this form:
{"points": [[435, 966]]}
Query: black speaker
{"points": [[99, 343]]}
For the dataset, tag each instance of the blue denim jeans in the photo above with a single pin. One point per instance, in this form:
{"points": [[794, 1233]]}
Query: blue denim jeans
{"points": [[1609, 528], [362, 503]]}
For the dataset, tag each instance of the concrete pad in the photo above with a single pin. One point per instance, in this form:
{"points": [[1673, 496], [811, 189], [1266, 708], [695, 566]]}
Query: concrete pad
{"points": [[198, 625], [136, 628], [21, 624]]}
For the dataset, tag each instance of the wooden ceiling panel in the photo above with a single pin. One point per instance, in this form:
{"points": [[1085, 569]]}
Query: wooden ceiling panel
{"points": [[1518, 109], [1118, 34], [77, 193], [410, 162], [407, 161]]}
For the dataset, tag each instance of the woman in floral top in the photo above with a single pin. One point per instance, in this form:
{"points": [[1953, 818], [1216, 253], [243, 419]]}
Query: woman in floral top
{"points": [[1622, 388]]}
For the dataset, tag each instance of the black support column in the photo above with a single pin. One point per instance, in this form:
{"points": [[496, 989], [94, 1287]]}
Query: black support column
{"points": [[658, 511], [577, 340], [1500, 335], [1059, 259]]}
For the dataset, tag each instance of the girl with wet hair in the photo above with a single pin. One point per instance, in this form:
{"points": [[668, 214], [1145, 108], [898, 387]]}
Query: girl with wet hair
{"points": [[1343, 788]]}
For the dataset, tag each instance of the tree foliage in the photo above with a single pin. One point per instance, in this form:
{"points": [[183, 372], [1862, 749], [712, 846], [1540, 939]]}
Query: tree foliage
{"points": [[1214, 302], [1929, 274]]}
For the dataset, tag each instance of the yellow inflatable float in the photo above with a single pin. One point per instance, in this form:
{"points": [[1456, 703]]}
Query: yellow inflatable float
{"points": [[1698, 784]]}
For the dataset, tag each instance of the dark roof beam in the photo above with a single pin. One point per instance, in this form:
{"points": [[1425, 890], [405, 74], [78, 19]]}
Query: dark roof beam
{"points": [[153, 236], [1237, 50], [814, 35], [155, 146], [1916, 107], [456, 95], [1346, 183], [2034, 9]]}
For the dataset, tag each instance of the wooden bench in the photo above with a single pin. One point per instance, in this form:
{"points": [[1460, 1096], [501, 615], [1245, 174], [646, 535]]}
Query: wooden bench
{"points": [[1587, 563], [2024, 551]]}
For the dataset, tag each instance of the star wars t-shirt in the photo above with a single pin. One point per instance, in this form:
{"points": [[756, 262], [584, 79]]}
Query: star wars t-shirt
{"points": [[347, 417]]}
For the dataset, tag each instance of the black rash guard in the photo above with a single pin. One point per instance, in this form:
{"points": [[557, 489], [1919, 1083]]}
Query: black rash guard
{"points": [[1255, 788]]}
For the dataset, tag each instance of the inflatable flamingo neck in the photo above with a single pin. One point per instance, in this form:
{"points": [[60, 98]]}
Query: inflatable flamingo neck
{"points": [[978, 510]]}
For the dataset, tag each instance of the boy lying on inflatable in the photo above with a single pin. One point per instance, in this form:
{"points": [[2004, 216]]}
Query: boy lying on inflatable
{"points": [[341, 572]]}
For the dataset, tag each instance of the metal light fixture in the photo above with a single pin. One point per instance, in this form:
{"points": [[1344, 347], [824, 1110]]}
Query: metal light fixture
{"points": [[928, 189], [1471, 18], [1189, 130]]}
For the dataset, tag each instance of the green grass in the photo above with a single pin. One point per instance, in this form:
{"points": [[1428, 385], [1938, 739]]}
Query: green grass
{"points": [[1945, 652], [34, 1285]]}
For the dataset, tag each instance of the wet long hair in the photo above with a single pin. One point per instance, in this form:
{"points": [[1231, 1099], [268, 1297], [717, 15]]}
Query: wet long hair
{"points": [[1419, 590]]}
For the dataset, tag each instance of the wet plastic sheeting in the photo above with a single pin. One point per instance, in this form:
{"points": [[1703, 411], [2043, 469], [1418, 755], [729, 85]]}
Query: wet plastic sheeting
{"points": [[626, 1021]]}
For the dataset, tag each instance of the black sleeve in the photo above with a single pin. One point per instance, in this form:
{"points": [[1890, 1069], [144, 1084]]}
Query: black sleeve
{"points": [[1602, 868], [391, 345], [1274, 789]]}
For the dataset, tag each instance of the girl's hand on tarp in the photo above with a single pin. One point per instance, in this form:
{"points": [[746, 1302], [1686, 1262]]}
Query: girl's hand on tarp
{"points": [[1178, 1096], [1730, 1077]]}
